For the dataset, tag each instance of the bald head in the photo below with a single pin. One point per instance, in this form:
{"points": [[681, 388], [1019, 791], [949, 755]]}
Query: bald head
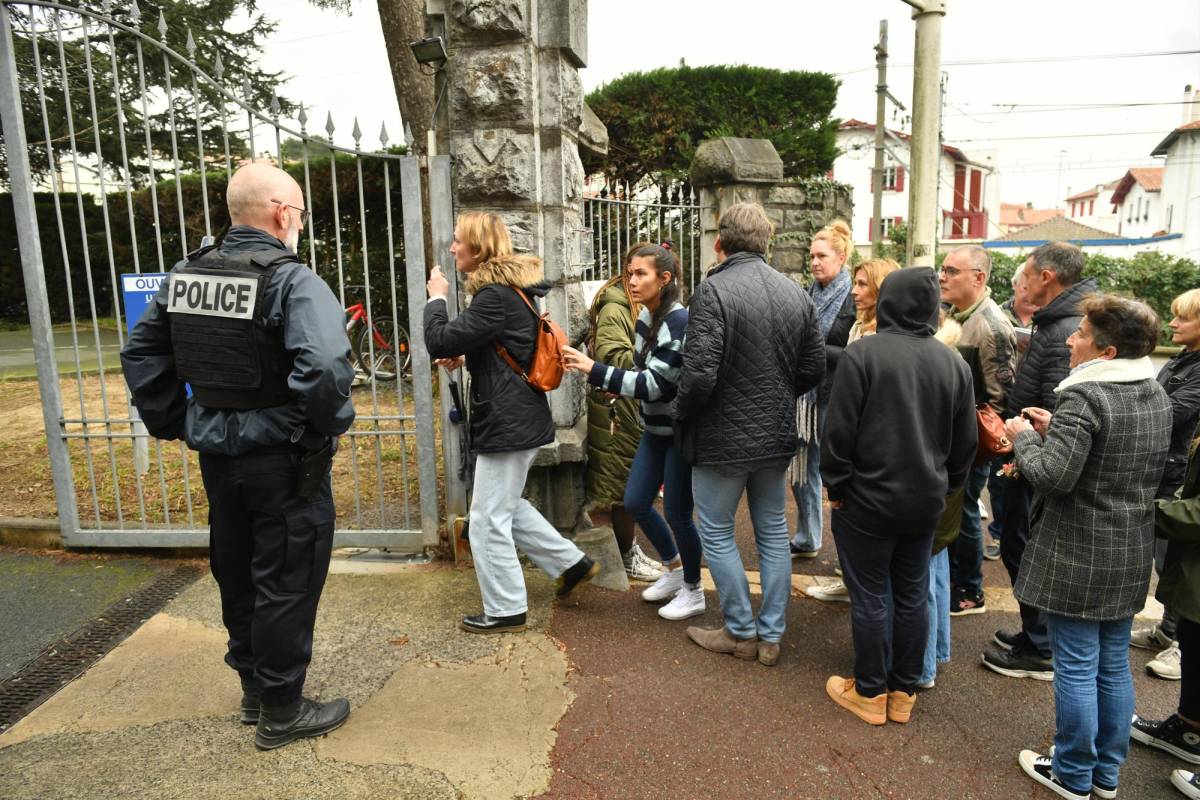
{"points": [[261, 195]]}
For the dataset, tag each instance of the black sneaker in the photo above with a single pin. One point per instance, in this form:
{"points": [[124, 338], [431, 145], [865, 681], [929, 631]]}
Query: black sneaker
{"points": [[486, 623], [963, 603], [1186, 782], [577, 575], [1008, 639], [1099, 789], [1019, 663], [1039, 767], [279, 725], [1171, 734], [798, 553]]}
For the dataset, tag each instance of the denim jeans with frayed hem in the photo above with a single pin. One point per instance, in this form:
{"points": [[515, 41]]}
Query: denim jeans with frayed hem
{"points": [[717, 493], [1093, 700], [937, 644]]}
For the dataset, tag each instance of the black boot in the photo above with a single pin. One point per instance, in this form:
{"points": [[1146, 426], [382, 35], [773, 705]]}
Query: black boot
{"points": [[251, 698], [279, 725], [576, 575], [485, 623]]}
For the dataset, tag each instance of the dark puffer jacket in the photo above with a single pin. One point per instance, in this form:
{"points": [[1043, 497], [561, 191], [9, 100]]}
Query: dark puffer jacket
{"points": [[1180, 378], [835, 343], [1047, 361], [752, 348], [507, 414]]}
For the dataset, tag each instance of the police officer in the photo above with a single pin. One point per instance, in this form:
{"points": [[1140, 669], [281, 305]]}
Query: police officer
{"points": [[259, 339]]}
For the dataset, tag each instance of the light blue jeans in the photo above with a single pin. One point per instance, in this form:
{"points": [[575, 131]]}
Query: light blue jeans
{"points": [[502, 521], [1093, 700], [809, 524], [937, 647], [716, 496]]}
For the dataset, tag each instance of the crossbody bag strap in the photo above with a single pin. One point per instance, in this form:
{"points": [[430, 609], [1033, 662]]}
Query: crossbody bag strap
{"points": [[502, 351]]}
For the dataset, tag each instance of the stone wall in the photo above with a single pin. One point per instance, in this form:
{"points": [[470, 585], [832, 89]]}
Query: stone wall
{"points": [[729, 170]]}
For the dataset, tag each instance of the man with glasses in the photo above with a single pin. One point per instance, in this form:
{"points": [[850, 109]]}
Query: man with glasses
{"points": [[964, 284], [258, 337]]}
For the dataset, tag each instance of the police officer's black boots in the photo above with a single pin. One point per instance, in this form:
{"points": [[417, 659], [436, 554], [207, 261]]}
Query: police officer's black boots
{"points": [[279, 725], [251, 698]]}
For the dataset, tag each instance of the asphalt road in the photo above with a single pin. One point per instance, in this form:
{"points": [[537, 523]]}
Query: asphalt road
{"points": [[16, 351]]}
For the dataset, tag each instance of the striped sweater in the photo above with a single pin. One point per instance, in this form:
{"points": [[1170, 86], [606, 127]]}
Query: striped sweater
{"points": [[655, 381]]}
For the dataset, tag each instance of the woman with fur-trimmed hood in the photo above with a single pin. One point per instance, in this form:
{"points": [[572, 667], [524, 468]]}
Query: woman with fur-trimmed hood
{"points": [[509, 418]]}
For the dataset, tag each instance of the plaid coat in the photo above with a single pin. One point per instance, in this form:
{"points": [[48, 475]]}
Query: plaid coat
{"points": [[1095, 476]]}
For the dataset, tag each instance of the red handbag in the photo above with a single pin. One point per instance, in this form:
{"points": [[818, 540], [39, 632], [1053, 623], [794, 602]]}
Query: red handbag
{"points": [[993, 441]]}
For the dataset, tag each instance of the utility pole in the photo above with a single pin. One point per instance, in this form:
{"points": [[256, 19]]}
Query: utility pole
{"points": [[926, 147], [881, 95]]}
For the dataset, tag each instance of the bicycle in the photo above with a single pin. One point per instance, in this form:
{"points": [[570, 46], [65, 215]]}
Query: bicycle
{"points": [[381, 337]]}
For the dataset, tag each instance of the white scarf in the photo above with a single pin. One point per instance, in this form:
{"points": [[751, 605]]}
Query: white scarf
{"points": [[1112, 370]]}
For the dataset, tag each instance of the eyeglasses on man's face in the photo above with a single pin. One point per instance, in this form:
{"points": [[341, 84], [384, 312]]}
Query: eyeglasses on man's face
{"points": [[954, 272], [303, 211]]}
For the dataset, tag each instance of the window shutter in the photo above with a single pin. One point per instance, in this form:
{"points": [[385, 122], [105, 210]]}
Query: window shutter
{"points": [[899, 180], [871, 228]]}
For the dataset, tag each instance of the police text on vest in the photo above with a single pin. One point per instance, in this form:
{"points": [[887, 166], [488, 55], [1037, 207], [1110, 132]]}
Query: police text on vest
{"points": [[212, 295]]}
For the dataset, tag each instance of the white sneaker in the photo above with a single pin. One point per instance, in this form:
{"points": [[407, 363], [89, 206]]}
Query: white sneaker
{"points": [[687, 602], [1149, 639], [640, 567], [1186, 782], [1166, 664], [983, 512], [835, 592], [666, 587]]}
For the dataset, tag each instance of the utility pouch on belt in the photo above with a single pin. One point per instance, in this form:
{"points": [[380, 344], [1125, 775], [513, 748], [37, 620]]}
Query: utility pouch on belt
{"points": [[312, 468]]}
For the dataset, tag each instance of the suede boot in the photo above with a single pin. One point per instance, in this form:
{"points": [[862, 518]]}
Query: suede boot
{"points": [[720, 640]]}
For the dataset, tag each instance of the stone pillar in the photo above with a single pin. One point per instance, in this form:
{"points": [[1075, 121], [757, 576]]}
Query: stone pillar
{"points": [[728, 171], [515, 108]]}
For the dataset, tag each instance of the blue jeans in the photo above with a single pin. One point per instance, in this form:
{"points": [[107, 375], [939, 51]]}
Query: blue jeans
{"points": [[809, 525], [1093, 700], [717, 495], [966, 560], [937, 644], [657, 463]]}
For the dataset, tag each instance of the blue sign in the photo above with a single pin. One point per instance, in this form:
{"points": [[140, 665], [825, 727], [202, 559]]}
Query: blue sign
{"points": [[139, 292]]}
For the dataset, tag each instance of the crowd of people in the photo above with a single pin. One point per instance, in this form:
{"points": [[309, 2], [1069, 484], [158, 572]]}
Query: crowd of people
{"points": [[881, 391]]}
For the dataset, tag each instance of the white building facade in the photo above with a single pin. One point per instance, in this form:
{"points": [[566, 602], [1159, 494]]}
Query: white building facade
{"points": [[1180, 195], [968, 187]]}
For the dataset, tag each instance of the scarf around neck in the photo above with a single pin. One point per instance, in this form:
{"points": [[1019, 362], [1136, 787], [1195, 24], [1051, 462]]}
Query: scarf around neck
{"points": [[1110, 370], [828, 300]]}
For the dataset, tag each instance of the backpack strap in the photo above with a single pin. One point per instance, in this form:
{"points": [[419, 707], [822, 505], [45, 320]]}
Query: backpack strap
{"points": [[502, 351]]}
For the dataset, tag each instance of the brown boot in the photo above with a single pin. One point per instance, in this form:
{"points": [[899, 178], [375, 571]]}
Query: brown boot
{"points": [[869, 709], [768, 653], [720, 640], [900, 706]]}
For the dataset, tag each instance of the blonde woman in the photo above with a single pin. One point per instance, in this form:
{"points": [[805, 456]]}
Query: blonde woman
{"points": [[509, 420], [868, 276], [830, 292]]}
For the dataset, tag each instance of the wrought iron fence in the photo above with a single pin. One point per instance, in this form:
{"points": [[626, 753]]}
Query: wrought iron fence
{"points": [[140, 173], [621, 214]]}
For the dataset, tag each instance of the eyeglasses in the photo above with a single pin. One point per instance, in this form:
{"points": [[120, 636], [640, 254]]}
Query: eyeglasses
{"points": [[954, 272], [303, 211]]}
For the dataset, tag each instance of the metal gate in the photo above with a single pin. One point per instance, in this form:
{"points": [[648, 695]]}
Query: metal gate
{"points": [[622, 214], [111, 178]]}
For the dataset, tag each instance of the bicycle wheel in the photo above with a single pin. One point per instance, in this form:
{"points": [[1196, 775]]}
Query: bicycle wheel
{"points": [[377, 349]]}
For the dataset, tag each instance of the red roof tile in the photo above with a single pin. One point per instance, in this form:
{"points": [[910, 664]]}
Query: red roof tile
{"points": [[1165, 144], [858, 124], [1149, 178]]}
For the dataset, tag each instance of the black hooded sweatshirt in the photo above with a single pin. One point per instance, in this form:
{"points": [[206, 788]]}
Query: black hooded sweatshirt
{"points": [[900, 433]]}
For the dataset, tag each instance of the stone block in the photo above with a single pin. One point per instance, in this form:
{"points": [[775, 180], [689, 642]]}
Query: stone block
{"points": [[494, 164], [786, 195], [557, 490], [561, 243], [562, 172], [789, 260], [486, 21], [734, 160], [601, 544], [593, 135], [776, 217], [492, 84], [563, 24], [561, 93]]}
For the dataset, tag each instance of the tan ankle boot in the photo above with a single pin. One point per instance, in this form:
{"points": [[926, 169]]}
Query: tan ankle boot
{"points": [[768, 653], [720, 640], [869, 709], [900, 706]]}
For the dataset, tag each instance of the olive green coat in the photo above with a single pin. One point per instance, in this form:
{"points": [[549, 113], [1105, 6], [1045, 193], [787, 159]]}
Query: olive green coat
{"points": [[609, 457], [1178, 521]]}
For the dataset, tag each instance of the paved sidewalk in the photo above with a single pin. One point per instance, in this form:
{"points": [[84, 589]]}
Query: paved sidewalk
{"points": [[599, 699]]}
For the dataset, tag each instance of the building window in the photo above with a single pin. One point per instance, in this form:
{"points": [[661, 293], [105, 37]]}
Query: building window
{"points": [[889, 179], [1091, 207], [889, 224]]}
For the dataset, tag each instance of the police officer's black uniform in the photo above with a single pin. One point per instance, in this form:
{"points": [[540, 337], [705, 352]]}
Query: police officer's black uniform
{"points": [[260, 340]]}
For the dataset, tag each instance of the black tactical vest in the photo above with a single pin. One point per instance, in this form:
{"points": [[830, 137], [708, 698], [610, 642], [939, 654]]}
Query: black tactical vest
{"points": [[224, 346]]}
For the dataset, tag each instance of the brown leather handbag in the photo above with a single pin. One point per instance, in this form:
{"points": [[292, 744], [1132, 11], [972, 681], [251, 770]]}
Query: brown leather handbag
{"points": [[546, 370], [993, 441]]}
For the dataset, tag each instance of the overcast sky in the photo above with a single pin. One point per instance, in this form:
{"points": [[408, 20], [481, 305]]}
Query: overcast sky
{"points": [[338, 63]]}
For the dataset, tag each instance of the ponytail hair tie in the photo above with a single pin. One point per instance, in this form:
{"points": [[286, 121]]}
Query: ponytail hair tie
{"points": [[667, 245]]}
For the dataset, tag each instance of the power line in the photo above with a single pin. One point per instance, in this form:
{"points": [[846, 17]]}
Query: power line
{"points": [[974, 62], [1058, 136]]}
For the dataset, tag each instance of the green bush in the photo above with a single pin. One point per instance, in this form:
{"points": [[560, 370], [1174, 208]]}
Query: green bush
{"points": [[656, 119]]}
